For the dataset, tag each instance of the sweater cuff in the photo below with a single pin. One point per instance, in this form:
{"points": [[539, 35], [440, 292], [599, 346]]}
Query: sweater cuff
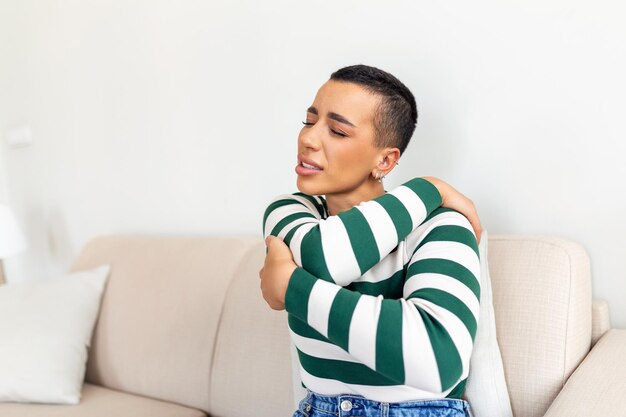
{"points": [[298, 290], [426, 191]]}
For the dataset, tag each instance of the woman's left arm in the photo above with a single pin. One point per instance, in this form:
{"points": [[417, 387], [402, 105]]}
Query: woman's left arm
{"points": [[341, 248]]}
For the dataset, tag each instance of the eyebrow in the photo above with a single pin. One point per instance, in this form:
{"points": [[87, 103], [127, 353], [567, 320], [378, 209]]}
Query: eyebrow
{"points": [[332, 115]]}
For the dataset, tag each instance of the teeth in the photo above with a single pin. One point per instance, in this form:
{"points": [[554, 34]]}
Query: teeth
{"points": [[304, 164]]}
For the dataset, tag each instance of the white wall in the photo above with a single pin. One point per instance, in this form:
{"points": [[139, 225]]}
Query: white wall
{"points": [[11, 266], [3, 179], [182, 117]]}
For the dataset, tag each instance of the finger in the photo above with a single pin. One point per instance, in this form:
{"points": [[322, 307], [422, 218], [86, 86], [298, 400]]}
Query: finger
{"points": [[477, 233], [276, 244], [475, 223]]}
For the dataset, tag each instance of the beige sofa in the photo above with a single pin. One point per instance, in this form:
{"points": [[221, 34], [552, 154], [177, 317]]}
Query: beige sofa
{"points": [[184, 331]]}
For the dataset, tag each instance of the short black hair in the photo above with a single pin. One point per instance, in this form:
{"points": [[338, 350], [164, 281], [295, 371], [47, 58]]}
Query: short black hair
{"points": [[396, 116]]}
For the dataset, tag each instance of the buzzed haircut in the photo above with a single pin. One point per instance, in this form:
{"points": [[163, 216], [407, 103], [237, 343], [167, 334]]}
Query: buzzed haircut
{"points": [[396, 116]]}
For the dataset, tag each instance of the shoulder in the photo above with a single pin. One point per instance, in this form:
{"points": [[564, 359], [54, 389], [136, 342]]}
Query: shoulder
{"points": [[443, 216], [297, 201], [443, 224]]}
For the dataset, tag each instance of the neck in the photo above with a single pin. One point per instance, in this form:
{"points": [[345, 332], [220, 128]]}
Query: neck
{"points": [[340, 202]]}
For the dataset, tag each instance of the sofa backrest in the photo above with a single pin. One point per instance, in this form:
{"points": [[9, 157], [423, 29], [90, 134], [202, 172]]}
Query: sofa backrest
{"points": [[542, 304], [251, 374], [165, 331], [183, 320]]}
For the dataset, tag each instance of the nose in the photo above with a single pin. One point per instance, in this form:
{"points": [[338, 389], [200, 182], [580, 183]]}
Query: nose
{"points": [[309, 138]]}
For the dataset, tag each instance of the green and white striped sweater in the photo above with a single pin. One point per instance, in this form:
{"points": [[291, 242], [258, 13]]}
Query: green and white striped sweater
{"points": [[385, 300]]}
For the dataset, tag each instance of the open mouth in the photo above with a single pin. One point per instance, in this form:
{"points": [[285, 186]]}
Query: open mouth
{"points": [[305, 169], [304, 164]]}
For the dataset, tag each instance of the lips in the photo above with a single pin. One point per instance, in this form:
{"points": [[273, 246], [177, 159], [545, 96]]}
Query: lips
{"points": [[308, 161], [306, 171]]}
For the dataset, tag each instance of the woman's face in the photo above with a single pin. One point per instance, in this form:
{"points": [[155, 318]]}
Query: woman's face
{"points": [[339, 138]]}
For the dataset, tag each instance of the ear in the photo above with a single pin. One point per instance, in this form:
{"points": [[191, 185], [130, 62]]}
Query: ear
{"points": [[387, 160]]}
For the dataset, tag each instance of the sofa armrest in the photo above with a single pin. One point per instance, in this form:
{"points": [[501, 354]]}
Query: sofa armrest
{"points": [[601, 322], [598, 386]]}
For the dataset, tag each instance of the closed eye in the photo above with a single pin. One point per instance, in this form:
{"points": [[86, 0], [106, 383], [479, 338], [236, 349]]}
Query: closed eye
{"points": [[333, 131]]}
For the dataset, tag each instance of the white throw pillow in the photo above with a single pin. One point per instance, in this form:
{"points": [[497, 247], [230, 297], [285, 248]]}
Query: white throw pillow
{"points": [[45, 331], [486, 389]]}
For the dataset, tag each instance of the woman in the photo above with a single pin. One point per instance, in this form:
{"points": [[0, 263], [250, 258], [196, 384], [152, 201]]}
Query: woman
{"points": [[382, 288]]}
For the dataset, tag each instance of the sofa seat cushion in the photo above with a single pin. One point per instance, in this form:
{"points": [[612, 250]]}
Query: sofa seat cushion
{"points": [[597, 387], [97, 401]]}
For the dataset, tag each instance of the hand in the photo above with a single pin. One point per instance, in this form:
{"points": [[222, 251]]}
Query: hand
{"points": [[276, 272], [451, 198]]}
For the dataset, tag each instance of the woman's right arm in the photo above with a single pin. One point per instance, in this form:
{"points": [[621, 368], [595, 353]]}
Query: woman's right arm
{"points": [[423, 339], [343, 247]]}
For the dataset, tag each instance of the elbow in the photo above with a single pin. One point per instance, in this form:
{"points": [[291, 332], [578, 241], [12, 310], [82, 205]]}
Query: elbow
{"points": [[442, 367], [456, 372], [450, 383]]}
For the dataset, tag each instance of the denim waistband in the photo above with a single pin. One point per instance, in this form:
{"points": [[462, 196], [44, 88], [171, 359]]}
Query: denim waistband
{"points": [[345, 405]]}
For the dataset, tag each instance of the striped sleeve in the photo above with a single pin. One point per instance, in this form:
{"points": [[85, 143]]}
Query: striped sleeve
{"points": [[341, 248], [424, 339]]}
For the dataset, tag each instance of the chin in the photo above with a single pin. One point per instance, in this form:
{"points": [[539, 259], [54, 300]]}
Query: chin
{"points": [[307, 188]]}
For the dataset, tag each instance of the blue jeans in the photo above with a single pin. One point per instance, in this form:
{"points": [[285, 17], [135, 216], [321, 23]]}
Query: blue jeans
{"points": [[348, 405]]}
